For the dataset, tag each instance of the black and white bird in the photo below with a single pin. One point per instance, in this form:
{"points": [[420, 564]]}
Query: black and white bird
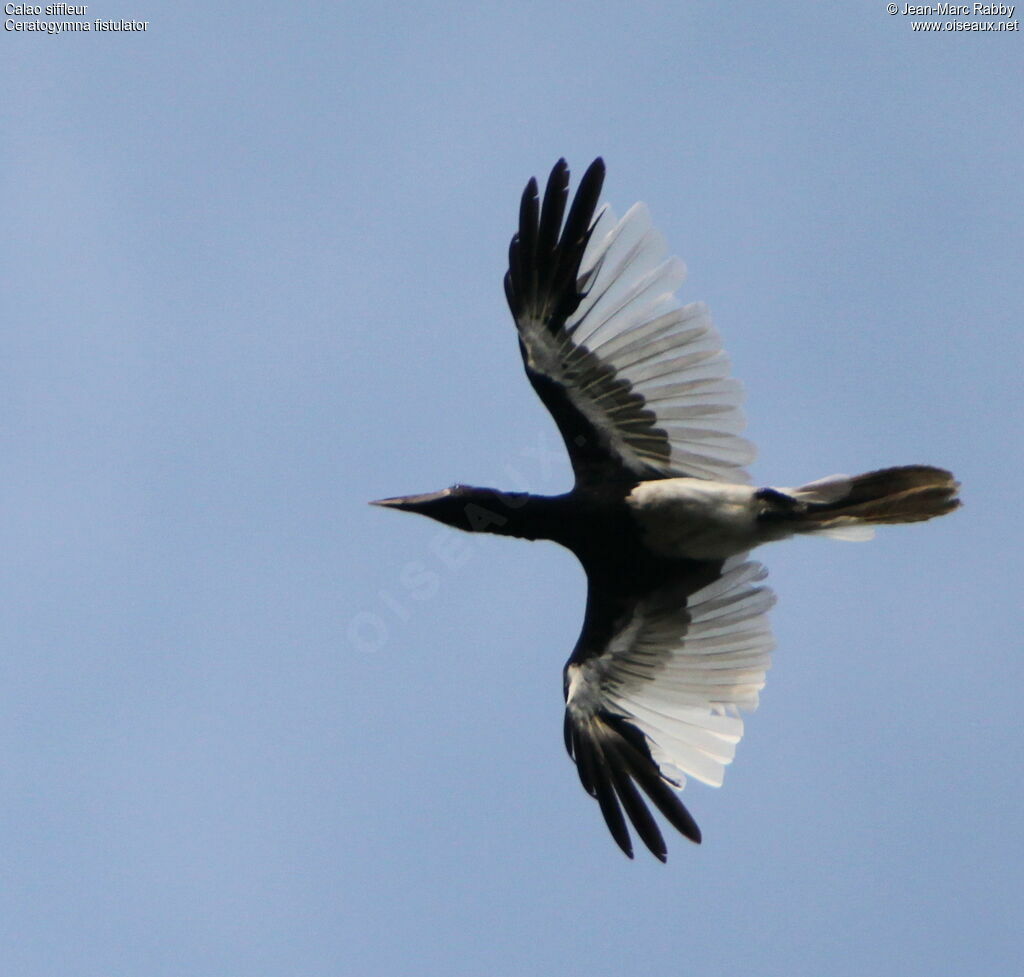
{"points": [[675, 639]]}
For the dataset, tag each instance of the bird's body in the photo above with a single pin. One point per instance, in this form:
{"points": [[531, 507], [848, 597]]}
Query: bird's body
{"points": [[675, 640], [696, 519]]}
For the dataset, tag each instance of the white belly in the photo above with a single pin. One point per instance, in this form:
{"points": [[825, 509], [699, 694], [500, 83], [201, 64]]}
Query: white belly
{"points": [[694, 518]]}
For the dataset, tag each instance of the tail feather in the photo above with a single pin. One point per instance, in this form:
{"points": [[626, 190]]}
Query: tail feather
{"points": [[911, 493]]}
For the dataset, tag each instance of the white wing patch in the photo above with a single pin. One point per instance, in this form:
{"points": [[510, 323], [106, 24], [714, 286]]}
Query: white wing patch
{"points": [[681, 675], [630, 335]]}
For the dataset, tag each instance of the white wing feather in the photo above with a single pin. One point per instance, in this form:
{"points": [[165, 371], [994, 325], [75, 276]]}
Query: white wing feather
{"points": [[682, 677], [631, 319]]}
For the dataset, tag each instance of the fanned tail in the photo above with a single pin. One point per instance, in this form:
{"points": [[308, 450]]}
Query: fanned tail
{"points": [[841, 503]]}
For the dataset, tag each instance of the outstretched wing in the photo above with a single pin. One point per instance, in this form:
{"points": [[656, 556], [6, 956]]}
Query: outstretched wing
{"points": [[654, 689], [638, 385]]}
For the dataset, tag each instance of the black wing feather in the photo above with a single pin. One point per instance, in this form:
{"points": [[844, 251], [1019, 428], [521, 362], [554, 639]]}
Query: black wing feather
{"points": [[612, 760], [544, 258], [523, 248], [608, 800], [645, 771], [556, 194], [581, 750], [638, 813]]}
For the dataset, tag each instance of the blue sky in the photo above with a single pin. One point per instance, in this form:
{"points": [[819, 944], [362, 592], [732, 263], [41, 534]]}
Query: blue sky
{"points": [[252, 278]]}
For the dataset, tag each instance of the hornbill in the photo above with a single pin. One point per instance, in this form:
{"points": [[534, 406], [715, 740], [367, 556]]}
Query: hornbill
{"points": [[662, 516]]}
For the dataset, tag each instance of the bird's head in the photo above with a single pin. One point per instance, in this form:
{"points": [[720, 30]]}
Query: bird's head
{"points": [[462, 506]]}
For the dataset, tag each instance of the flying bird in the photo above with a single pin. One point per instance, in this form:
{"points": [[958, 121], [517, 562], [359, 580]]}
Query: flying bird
{"points": [[675, 640]]}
